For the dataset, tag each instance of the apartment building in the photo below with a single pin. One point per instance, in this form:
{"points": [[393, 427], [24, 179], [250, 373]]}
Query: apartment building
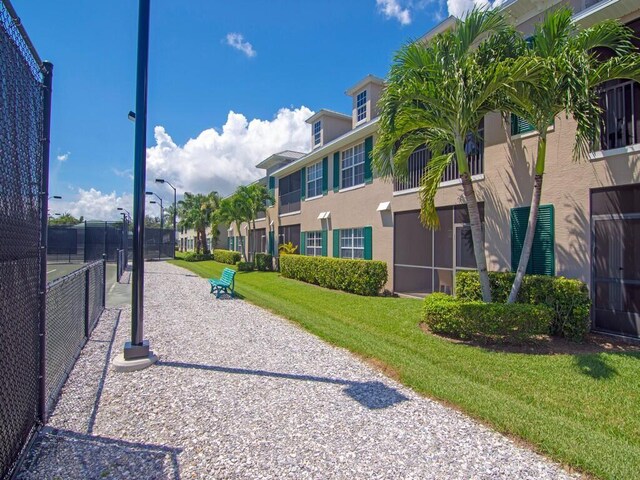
{"points": [[187, 239], [329, 201]]}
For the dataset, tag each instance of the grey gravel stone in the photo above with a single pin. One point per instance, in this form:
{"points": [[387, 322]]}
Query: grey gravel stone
{"points": [[241, 393]]}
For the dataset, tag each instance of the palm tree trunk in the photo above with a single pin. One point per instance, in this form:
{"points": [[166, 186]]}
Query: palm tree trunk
{"points": [[477, 235], [533, 220], [203, 234]]}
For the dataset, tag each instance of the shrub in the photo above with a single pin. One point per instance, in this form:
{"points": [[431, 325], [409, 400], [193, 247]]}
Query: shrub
{"points": [[226, 256], [197, 257], [473, 319], [245, 266], [568, 298], [264, 262], [288, 248], [363, 277]]}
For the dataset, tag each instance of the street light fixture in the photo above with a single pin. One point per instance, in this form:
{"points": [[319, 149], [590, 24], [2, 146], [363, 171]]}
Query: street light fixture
{"points": [[175, 211], [125, 211], [137, 354], [57, 197]]}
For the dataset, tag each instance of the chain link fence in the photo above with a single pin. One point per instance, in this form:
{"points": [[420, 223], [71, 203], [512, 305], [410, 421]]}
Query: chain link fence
{"points": [[87, 241], [74, 305], [22, 147]]}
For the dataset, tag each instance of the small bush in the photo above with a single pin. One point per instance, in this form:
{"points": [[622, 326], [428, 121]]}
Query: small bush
{"points": [[288, 248], [226, 256], [568, 298], [245, 266], [264, 262], [362, 277], [472, 319], [197, 257]]}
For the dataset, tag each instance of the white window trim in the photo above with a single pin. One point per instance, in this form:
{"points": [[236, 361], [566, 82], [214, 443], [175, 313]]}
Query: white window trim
{"points": [[313, 198], [352, 248], [600, 154], [352, 167], [319, 143], [306, 241], [354, 187], [297, 212], [366, 99], [307, 181]]}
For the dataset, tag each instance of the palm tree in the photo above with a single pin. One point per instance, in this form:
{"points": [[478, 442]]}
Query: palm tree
{"points": [[573, 68], [196, 211], [258, 195], [437, 94], [236, 210]]}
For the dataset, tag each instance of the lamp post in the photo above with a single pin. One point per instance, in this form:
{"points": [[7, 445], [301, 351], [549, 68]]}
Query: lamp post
{"points": [[161, 208], [137, 354], [175, 212]]}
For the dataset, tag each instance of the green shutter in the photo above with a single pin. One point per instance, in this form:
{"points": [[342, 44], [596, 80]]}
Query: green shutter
{"points": [[336, 242], [520, 125], [272, 246], [303, 243], [324, 242], [229, 240], [336, 171], [542, 258], [231, 243], [368, 147], [325, 175], [368, 244], [303, 183]]}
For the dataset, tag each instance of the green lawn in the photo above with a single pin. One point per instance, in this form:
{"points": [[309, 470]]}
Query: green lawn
{"points": [[581, 410]]}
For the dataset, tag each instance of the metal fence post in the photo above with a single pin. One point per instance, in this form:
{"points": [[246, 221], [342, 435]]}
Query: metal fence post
{"points": [[44, 205], [87, 301], [104, 279]]}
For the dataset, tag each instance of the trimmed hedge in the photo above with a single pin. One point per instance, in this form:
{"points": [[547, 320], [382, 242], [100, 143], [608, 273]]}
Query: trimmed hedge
{"points": [[226, 256], [245, 266], [472, 319], [264, 262], [362, 277], [197, 257], [568, 298]]}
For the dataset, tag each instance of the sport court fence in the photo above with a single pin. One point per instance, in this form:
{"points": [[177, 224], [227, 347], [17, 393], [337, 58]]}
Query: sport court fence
{"points": [[74, 305], [42, 326], [89, 241], [25, 96]]}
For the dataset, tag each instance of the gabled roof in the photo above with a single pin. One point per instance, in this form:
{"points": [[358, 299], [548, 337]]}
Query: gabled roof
{"points": [[285, 156], [360, 85], [358, 133], [327, 113]]}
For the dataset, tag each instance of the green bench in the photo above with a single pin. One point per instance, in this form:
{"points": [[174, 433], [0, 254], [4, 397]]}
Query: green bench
{"points": [[223, 284]]}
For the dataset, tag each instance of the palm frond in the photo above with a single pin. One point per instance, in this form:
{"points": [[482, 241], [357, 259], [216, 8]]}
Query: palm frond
{"points": [[429, 184]]}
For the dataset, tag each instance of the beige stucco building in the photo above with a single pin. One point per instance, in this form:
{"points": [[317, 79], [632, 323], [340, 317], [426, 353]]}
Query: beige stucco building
{"points": [[329, 202]]}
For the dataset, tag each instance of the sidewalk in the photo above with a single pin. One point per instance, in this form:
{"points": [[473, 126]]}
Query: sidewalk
{"points": [[241, 393]]}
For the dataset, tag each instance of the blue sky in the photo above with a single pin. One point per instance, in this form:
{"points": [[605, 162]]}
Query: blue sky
{"points": [[271, 63]]}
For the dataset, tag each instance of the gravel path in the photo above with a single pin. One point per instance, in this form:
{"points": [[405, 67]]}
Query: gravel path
{"points": [[241, 393]]}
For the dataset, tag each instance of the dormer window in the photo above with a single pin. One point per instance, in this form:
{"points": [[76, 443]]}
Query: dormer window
{"points": [[317, 127], [361, 106]]}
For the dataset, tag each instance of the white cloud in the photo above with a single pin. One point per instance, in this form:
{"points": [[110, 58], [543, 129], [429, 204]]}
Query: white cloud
{"points": [[126, 173], [63, 157], [393, 9], [237, 41], [92, 204], [223, 160], [458, 8]]}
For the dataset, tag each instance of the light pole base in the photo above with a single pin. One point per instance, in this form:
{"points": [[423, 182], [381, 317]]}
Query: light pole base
{"points": [[140, 363]]}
